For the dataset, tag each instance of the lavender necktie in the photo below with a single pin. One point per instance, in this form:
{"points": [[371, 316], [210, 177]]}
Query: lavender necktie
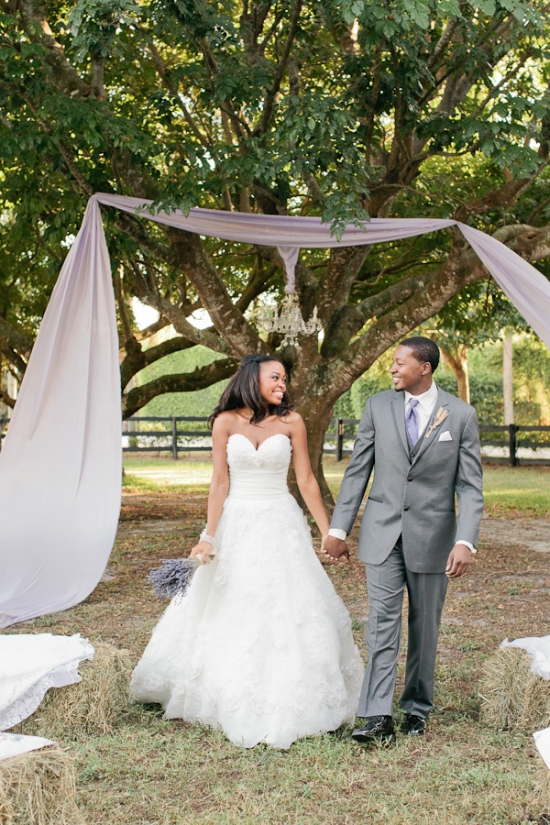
{"points": [[411, 420]]}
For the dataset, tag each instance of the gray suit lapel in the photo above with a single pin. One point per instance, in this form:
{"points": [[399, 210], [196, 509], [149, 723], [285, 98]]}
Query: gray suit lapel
{"points": [[398, 412], [431, 434]]}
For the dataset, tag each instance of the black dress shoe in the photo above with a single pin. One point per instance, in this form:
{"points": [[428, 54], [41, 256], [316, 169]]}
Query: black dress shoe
{"points": [[413, 725], [377, 729]]}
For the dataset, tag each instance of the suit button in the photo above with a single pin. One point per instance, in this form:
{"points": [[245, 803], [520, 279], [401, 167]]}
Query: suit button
{"points": [[406, 507]]}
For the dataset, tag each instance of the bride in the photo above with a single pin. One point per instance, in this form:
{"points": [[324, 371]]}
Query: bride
{"points": [[261, 644]]}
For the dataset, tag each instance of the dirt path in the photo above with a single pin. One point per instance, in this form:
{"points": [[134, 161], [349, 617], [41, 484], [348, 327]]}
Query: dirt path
{"points": [[531, 533]]}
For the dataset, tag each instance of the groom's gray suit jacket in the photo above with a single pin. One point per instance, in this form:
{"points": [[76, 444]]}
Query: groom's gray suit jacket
{"points": [[414, 489]]}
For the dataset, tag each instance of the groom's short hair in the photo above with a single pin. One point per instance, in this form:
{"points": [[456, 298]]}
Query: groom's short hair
{"points": [[424, 349]]}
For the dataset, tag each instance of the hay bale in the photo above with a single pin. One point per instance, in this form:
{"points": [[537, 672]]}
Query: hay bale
{"points": [[38, 788], [5, 808], [513, 698], [92, 706]]}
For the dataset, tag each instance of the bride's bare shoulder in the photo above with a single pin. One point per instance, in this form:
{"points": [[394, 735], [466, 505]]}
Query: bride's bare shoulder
{"points": [[226, 416], [224, 422]]}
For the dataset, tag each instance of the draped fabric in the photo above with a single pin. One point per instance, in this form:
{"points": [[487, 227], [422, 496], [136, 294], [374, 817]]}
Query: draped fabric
{"points": [[527, 289], [60, 465]]}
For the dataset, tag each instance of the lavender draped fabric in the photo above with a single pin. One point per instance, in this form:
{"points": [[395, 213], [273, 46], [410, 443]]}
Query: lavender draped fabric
{"points": [[60, 465], [528, 290]]}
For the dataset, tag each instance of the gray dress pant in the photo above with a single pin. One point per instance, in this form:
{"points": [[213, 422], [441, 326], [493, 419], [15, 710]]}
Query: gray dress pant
{"points": [[386, 583]]}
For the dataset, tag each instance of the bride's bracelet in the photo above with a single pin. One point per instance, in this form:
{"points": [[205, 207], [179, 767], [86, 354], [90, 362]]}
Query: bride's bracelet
{"points": [[205, 537]]}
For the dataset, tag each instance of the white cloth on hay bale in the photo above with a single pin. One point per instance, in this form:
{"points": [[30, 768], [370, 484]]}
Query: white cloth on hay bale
{"points": [[542, 741], [12, 744], [538, 647], [30, 665]]}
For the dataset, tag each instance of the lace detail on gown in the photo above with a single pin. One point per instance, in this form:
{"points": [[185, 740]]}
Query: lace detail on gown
{"points": [[31, 665], [261, 645]]}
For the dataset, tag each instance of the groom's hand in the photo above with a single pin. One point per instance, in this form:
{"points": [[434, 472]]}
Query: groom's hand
{"points": [[458, 561], [334, 547]]}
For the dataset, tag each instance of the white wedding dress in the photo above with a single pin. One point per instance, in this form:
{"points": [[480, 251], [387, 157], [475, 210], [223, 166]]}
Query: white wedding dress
{"points": [[261, 644]]}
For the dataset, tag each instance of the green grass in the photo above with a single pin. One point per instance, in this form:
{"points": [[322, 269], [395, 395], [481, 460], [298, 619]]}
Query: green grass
{"points": [[523, 489], [155, 772], [507, 489], [157, 474]]}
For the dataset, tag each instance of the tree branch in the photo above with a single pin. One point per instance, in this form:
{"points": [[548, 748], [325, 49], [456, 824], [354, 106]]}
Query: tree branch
{"points": [[7, 399], [178, 319], [12, 337], [85, 185], [342, 270], [136, 360], [152, 329], [134, 227], [420, 297], [63, 75], [226, 317], [442, 43], [506, 196], [202, 377], [279, 74], [256, 285], [160, 66], [398, 322]]}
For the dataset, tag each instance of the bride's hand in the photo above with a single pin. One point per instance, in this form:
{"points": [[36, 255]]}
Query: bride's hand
{"points": [[202, 551]]}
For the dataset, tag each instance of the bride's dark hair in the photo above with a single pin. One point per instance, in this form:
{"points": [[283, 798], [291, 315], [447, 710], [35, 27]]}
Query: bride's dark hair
{"points": [[243, 390]]}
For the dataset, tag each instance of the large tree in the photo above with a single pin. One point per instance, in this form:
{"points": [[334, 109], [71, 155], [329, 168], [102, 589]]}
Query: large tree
{"points": [[345, 109], [475, 316]]}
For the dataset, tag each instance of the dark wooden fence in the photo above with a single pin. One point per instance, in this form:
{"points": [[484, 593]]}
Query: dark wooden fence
{"points": [[176, 434], [500, 444], [513, 438], [514, 444]]}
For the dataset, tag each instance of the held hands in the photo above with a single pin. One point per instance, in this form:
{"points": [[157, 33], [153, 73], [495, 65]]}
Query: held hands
{"points": [[458, 561], [334, 547], [202, 551]]}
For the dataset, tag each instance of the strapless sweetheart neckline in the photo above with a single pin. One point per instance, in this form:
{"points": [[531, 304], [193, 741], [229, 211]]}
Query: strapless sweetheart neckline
{"points": [[259, 447]]}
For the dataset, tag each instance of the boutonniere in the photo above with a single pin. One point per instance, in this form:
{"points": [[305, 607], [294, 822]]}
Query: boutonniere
{"points": [[440, 417]]}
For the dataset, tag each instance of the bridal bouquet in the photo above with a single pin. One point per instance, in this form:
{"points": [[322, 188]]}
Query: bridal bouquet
{"points": [[173, 577]]}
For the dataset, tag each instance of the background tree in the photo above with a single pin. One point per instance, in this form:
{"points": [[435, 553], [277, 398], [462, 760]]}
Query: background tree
{"points": [[344, 109], [476, 315]]}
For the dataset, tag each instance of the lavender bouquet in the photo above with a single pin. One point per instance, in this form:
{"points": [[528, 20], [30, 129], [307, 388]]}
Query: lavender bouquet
{"points": [[173, 577]]}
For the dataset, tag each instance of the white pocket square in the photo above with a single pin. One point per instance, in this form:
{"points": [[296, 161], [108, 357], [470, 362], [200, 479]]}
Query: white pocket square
{"points": [[446, 436]]}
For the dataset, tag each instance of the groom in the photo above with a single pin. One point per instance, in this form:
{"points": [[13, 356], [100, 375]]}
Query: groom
{"points": [[424, 446]]}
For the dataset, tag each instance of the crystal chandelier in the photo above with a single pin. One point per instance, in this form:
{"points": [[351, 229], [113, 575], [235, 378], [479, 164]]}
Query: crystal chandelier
{"points": [[289, 320]]}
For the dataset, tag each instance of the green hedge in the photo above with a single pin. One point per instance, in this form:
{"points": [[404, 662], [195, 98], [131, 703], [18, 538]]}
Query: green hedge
{"points": [[200, 402]]}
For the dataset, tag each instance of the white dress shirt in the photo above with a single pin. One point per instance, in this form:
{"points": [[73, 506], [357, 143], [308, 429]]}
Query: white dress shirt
{"points": [[424, 410]]}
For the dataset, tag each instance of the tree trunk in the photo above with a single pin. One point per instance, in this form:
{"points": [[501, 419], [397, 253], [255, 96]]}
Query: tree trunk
{"points": [[316, 420], [316, 427], [507, 378], [457, 358]]}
